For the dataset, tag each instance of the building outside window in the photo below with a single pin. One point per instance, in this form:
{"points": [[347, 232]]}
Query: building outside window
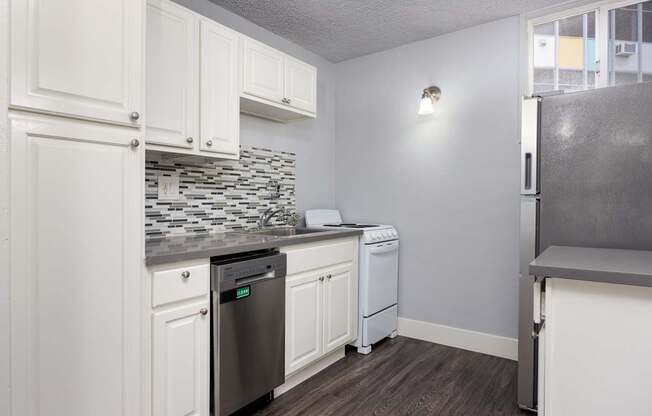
{"points": [[630, 44], [565, 49]]}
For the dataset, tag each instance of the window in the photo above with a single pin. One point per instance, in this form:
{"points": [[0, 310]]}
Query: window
{"points": [[564, 54], [565, 49], [630, 44]]}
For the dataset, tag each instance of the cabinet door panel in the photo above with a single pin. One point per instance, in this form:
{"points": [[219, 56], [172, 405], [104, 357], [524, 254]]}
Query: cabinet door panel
{"points": [[172, 75], [77, 57], [303, 311], [338, 304], [181, 361], [300, 84], [220, 104], [263, 71], [76, 204]]}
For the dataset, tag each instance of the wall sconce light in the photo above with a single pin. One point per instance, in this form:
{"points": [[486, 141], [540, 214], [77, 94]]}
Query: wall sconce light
{"points": [[429, 97]]}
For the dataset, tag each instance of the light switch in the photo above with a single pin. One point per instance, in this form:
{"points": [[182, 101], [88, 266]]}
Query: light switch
{"points": [[168, 187]]}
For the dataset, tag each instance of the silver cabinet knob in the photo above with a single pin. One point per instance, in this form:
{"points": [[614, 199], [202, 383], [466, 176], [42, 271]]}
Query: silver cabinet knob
{"points": [[134, 115], [185, 275], [209, 143], [329, 276], [321, 278], [203, 311], [288, 100], [189, 139], [134, 143]]}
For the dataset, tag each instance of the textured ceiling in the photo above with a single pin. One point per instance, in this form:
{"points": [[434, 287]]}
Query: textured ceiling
{"points": [[343, 29]]}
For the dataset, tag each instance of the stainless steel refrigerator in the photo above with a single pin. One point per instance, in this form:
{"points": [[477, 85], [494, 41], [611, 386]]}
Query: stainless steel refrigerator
{"points": [[586, 180]]}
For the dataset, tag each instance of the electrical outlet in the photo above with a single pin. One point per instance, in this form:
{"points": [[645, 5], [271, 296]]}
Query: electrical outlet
{"points": [[168, 187]]}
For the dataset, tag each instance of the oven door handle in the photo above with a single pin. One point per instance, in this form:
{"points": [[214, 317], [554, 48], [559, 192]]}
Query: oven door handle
{"points": [[384, 248]]}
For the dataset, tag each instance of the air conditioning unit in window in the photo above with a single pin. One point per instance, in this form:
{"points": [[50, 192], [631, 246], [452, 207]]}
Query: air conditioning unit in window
{"points": [[626, 48]]}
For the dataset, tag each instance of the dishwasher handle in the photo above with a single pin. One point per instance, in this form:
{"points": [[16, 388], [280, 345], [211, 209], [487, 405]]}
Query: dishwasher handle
{"points": [[227, 276], [255, 278]]}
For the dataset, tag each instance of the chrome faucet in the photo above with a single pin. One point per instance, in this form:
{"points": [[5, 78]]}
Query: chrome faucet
{"points": [[267, 216]]}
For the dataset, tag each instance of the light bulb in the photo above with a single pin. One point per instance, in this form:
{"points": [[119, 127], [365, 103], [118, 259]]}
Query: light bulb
{"points": [[426, 107]]}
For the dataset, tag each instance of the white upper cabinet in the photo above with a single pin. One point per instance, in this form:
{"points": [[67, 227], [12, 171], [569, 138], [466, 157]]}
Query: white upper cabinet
{"points": [[300, 85], [275, 85], [220, 115], [172, 75], [76, 263], [263, 71], [79, 58], [192, 91]]}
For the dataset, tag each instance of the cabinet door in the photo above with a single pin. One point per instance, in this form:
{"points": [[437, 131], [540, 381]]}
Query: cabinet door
{"points": [[172, 75], [263, 71], [303, 320], [76, 262], [181, 361], [220, 104], [81, 58], [338, 307], [300, 84]]}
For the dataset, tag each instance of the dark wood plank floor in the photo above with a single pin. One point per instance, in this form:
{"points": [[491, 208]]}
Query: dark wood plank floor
{"points": [[404, 376]]}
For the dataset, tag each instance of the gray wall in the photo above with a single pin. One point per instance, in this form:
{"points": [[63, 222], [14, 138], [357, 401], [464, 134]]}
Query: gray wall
{"points": [[448, 182], [311, 140]]}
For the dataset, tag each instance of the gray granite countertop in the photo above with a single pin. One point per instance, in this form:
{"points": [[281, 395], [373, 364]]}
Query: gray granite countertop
{"points": [[627, 267], [189, 247]]}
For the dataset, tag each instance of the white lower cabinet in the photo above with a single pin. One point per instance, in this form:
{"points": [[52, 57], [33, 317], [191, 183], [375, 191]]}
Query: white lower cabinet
{"points": [[75, 270], [303, 309], [594, 348], [180, 339], [320, 301], [338, 307], [181, 361]]}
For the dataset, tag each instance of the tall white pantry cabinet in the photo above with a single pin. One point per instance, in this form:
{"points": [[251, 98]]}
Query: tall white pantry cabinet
{"points": [[76, 171]]}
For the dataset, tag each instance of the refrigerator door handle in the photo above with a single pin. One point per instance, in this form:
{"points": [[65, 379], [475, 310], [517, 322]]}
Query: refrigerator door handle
{"points": [[528, 171], [530, 146]]}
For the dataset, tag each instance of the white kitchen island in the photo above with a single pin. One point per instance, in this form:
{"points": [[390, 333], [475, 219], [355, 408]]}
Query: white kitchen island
{"points": [[593, 315]]}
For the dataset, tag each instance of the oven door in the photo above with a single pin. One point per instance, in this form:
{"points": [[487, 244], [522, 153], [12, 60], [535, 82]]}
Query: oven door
{"points": [[379, 277]]}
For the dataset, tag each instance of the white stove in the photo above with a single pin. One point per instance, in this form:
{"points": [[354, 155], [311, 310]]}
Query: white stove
{"points": [[378, 276]]}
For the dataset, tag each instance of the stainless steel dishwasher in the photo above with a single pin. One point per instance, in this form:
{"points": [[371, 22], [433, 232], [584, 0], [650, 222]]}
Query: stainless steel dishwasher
{"points": [[248, 328]]}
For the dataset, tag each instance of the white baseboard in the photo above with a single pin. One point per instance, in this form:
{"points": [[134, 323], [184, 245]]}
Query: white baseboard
{"points": [[460, 338]]}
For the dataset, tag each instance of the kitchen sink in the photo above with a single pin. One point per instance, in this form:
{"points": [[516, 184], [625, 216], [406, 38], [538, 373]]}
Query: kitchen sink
{"points": [[285, 231]]}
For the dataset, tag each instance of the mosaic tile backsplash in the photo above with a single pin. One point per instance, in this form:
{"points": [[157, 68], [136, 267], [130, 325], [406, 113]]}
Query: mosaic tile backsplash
{"points": [[218, 195]]}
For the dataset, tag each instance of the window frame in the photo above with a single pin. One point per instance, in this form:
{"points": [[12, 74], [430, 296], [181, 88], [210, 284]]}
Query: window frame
{"points": [[602, 11]]}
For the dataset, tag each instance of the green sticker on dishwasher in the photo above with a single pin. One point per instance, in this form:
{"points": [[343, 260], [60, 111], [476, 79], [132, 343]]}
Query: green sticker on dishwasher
{"points": [[242, 292]]}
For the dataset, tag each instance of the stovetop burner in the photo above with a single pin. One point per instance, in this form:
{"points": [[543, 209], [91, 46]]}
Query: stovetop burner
{"points": [[351, 225]]}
